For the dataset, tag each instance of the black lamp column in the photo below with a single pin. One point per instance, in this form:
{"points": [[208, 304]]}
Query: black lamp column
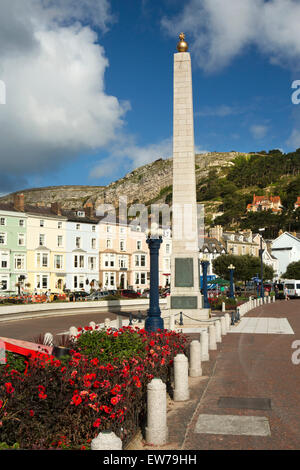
{"points": [[154, 320]]}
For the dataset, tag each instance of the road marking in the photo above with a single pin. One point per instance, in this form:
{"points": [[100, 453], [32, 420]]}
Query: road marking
{"points": [[233, 425], [265, 326]]}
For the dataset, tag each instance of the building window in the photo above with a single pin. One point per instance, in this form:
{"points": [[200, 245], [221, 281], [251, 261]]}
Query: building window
{"points": [[167, 249], [140, 260], [19, 262], [167, 264], [78, 261], [42, 240], [4, 260], [59, 224], [93, 243], [3, 238], [3, 282], [75, 282], [109, 229], [139, 245], [81, 261], [78, 242], [21, 223], [59, 240], [140, 278], [45, 259], [122, 261], [42, 223], [58, 261], [81, 282], [108, 243], [93, 228], [21, 239], [2, 221], [77, 226], [92, 263], [122, 245]]}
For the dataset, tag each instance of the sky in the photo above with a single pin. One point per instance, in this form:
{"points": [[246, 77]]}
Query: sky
{"points": [[89, 83]]}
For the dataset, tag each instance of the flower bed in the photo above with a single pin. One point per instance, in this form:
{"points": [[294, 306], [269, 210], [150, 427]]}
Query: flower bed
{"points": [[102, 385]]}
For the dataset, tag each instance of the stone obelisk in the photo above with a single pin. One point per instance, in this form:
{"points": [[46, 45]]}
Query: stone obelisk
{"points": [[185, 286]]}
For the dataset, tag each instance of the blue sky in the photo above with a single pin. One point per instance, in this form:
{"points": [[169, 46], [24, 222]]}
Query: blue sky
{"points": [[89, 83]]}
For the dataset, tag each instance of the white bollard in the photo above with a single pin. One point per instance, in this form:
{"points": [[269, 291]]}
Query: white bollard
{"points": [[212, 337], [204, 346], [223, 326], [171, 322], [181, 378], [48, 339], [73, 332], [106, 441], [195, 369], [269, 300], [92, 324], [156, 430], [223, 307], [107, 323], [218, 331], [119, 322], [227, 321], [274, 298]]}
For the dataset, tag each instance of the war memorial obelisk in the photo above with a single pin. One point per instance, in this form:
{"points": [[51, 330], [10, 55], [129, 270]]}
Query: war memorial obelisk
{"points": [[185, 286]]}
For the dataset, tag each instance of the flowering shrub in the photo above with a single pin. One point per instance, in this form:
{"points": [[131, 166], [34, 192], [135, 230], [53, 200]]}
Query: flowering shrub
{"points": [[65, 404]]}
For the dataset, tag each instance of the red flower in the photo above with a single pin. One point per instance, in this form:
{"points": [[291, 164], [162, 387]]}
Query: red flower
{"points": [[116, 389], [152, 343], [116, 399], [31, 412], [9, 387], [1, 403], [97, 423], [76, 400]]}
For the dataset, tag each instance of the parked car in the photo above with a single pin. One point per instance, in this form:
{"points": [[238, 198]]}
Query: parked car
{"points": [[145, 294], [57, 296], [130, 294], [98, 295], [78, 295]]}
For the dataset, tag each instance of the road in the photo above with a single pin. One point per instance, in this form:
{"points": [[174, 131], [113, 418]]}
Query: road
{"points": [[28, 329]]}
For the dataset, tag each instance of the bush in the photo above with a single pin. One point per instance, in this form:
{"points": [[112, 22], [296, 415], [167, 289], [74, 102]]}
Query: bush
{"points": [[57, 404]]}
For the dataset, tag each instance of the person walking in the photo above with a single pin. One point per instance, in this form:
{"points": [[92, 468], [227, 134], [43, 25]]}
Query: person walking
{"points": [[286, 293]]}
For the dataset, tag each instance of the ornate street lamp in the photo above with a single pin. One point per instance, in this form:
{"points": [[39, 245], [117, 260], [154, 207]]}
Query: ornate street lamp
{"points": [[231, 270], [205, 264], [154, 320], [261, 251]]}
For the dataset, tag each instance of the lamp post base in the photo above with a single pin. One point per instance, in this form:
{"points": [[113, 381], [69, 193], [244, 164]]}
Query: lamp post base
{"points": [[152, 324]]}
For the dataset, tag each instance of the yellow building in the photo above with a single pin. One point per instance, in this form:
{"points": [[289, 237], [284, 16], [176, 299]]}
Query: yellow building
{"points": [[46, 239]]}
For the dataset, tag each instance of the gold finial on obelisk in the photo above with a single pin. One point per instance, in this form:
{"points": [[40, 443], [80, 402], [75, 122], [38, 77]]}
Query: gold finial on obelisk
{"points": [[182, 46]]}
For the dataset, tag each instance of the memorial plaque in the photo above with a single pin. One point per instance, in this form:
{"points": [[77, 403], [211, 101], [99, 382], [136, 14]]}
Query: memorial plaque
{"points": [[184, 272], [184, 302]]}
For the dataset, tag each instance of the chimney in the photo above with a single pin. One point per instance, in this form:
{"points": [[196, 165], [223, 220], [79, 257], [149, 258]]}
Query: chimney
{"points": [[19, 202], [89, 209], [55, 208]]}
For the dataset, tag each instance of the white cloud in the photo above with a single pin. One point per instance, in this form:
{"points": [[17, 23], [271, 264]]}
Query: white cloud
{"points": [[220, 30], [258, 131], [127, 152], [57, 106]]}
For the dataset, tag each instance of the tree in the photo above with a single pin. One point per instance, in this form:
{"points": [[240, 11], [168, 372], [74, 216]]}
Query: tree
{"points": [[292, 271], [246, 267]]}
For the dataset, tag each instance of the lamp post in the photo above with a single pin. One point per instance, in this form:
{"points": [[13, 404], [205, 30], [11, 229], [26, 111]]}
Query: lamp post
{"points": [[261, 251], [205, 264], [231, 270], [154, 320]]}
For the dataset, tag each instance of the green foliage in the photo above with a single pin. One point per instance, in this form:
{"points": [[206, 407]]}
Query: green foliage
{"points": [[15, 361], [4, 446], [107, 347], [246, 267], [292, 271]]}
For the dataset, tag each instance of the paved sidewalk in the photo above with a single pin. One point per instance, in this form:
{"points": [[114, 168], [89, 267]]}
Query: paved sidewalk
{"points": [[246, 365]]}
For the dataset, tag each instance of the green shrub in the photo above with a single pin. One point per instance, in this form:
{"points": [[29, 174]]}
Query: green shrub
{"points": [[15, 361], [107, 347]]}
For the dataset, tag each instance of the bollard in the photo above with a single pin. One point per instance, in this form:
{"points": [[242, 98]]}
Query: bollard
{"points": [[212, 337], [119, 322], [195, 369], [237, 315], [140, 316], [232, 319], [156, 430], [204, 346], [171, 322], [274, 298], [223, 326], [218, 331], [227, 321], [181, 319], [73, 332], [107, 323], [106, 440], [223, 307], [181, 377], [48, 339], [269, 300], [92, 324], [130, 319]]}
